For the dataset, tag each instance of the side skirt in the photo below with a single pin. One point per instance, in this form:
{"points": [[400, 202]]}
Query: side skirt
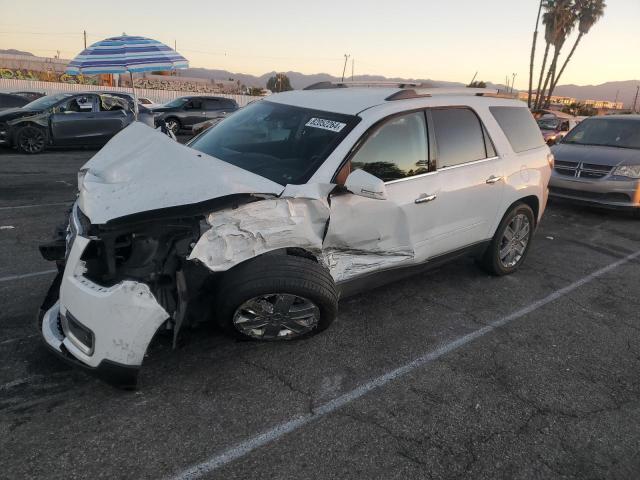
{"points": [[378, 279]]}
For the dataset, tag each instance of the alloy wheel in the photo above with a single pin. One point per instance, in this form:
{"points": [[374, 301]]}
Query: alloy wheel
{"points": [[276, 316], [31, 140], [515, 240]]}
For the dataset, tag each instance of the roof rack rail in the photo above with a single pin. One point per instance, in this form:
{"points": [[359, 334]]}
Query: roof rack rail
{"points": [[430, 92], [327, 84]]}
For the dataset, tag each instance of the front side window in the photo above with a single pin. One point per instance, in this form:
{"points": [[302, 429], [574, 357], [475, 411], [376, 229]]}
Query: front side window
{"points": [[397, 149], [212, 104], [283, 143], [459, 136]]}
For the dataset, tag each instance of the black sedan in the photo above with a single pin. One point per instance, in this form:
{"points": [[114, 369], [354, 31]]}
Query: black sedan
{"points": [[10, 100], [89, 119], [185, 112]]}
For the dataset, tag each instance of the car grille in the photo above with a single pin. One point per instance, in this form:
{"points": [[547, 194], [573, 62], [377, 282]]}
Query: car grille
{"points": [[582, 170]]}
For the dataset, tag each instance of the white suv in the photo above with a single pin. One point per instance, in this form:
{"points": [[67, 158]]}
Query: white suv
{"points": [[264, 221]]}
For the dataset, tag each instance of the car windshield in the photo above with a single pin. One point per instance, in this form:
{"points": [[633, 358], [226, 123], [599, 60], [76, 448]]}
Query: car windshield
{"points": [[178, 102], [46, 102], [622, 133], [548, 123], [283, 143]]}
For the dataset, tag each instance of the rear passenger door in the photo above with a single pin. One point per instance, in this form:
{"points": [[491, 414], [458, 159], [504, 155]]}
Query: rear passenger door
{"points": [[470, 176]]}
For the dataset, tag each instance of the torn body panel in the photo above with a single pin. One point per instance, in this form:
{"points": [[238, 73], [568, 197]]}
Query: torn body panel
{"points": [[342, 236]]}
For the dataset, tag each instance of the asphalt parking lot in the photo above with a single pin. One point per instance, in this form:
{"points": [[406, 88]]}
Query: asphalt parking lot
{"points": [[450, 374]]}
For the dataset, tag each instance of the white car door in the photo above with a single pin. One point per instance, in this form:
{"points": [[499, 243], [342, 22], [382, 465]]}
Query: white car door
{"points": [[470, 176], [366, 234]]}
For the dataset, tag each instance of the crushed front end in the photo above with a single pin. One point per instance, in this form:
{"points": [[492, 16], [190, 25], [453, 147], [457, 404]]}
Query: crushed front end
{"points": [[118, 285]]}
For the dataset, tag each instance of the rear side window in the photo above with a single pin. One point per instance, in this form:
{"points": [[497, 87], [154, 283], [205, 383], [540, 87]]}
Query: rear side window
{"points": [[397, 149], [212, 104], [459, 136], [518, 125]]}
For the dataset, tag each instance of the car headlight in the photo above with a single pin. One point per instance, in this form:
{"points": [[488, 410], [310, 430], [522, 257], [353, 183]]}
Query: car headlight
{"points": [[631, 171]]}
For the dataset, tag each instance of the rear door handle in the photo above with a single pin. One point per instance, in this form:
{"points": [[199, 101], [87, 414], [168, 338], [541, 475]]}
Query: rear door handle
{"points": [[493, 179], [424, 198]]}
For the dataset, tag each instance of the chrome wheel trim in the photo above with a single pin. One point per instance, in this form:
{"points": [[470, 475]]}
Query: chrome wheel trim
{"points": [[172, 125], [276, 316], [31, 140], [514, 241]]}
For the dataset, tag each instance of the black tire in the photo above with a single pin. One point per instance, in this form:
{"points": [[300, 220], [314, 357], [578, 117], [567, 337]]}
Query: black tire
{"points": [[173, 124], [491, 261], [276, 274], [31, 139]]}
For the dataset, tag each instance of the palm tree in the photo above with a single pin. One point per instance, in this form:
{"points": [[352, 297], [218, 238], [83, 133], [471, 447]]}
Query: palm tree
{"points": [[548, 22], [533, 53], [588, 12], [563, 19]]}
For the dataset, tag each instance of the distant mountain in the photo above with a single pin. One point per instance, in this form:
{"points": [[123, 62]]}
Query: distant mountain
{"points": [[624, 91], [13, 51], [301, 80]]}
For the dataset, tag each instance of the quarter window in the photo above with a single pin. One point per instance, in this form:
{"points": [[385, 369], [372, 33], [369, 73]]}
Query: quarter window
{"points": [[397, 149], [459, 136], [520, 128]]}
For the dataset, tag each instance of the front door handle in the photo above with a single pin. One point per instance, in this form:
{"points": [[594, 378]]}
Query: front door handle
{"points": [[424, 198], [493, 179]]}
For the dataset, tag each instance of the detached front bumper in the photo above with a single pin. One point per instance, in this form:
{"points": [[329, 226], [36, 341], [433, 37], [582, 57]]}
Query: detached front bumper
{"points": [[608, 193], [104, 329]]}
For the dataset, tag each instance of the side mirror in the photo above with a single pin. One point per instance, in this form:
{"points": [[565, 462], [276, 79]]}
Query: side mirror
{"points": [[364, 184]]}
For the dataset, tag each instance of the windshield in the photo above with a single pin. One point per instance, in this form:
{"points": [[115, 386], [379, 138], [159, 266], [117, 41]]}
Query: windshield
{"points": [[46, 102], [282, 143], [622, 133], [178, 102], [548, 123]]}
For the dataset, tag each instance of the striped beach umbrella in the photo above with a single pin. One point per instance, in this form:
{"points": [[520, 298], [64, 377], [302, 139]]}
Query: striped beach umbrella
{"points": [[126, 54]]}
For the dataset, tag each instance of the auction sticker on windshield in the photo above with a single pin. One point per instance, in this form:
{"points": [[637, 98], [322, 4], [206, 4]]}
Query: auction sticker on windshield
{"points": [[326, 124]]}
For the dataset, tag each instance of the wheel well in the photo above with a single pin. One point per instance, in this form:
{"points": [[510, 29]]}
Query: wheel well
{"points": [[16, 128], [533, 202]]}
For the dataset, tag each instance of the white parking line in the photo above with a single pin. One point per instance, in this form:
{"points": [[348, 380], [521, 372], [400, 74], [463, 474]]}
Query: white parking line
{"points": [[38, 205], [26, 275], [243, 448]]}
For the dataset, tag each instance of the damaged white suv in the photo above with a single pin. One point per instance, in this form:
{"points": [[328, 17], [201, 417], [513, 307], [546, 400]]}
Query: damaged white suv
{"points": [[262, 223]]}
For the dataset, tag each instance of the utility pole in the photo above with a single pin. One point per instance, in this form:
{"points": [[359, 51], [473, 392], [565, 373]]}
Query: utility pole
{"points": [[85, 39], [635, 100], [353, 61], [513, 80], [344, 69], [474, 78]]}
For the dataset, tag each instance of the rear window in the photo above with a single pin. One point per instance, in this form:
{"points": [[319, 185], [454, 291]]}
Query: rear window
{"points": [[518, 125]]}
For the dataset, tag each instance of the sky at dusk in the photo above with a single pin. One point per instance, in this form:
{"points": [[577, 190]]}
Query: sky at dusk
{"points": [[419, 39]]}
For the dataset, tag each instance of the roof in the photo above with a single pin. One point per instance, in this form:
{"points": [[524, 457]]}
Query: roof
{"points": [[349, 101], [353, 100]]}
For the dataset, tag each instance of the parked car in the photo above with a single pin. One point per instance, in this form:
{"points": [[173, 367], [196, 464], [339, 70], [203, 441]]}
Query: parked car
{"points": [[66, 119], [148, 103], [30, 96], [185, 112], [264, 221], [598, 163], [555, 128], [9, 100]]}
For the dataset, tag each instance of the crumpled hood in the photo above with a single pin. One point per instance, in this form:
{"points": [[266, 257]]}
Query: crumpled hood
{"points": [[141, 170], [611, 156], [15, 113]]}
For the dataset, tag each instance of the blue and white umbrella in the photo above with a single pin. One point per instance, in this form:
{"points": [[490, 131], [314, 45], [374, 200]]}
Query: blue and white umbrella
{"points": [[126, 54]]}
